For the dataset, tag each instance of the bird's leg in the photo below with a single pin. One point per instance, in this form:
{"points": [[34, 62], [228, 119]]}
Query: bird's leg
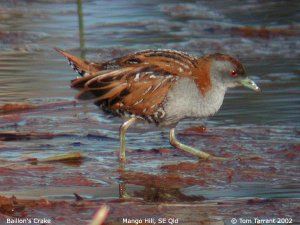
{"points": [[123, 129], [191, 150]]}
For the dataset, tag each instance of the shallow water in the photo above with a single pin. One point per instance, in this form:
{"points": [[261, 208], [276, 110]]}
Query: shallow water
{"points": [[266, 124]]}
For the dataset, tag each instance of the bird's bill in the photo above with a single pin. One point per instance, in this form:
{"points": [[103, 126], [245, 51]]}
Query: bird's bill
{"points": [[250, 84]]}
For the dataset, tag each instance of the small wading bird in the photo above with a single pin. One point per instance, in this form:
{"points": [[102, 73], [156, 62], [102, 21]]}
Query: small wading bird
{"points": [[160, 87]]}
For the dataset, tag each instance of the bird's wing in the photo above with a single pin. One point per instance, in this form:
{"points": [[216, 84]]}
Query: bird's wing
{"points": [[132, 90], [172, 62], [177, 63]]}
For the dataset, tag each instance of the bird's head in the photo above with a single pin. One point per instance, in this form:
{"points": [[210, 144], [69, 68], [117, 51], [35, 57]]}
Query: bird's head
{"points": [[229, 72]]}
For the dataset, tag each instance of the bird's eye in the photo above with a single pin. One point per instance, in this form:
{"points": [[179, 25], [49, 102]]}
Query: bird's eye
{"points": [[233, 73]]}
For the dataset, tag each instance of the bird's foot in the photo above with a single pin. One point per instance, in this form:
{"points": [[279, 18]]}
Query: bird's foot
{"points": [[234, 158]]}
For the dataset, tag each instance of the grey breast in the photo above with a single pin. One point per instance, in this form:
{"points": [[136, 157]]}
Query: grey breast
{"points": [[185, 100]]}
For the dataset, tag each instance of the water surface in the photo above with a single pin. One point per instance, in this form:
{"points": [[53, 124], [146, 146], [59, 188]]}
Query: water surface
{"points": [[263, 35]]}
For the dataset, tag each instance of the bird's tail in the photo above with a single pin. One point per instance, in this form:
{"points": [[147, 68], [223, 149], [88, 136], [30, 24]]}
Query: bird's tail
{"points": [[82, 67]]}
